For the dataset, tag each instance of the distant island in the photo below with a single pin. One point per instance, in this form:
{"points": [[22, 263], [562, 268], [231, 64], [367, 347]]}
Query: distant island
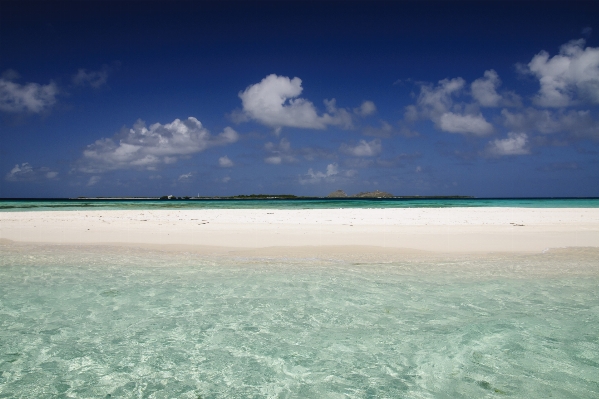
{"points": [[338, 194], [364, 194], [383, 194]]}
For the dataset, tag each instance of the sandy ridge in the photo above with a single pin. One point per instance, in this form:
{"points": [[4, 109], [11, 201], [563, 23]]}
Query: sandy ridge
{"points": [[423, 229]]}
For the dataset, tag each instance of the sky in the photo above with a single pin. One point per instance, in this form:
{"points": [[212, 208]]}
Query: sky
{"points": [[488, 99]]}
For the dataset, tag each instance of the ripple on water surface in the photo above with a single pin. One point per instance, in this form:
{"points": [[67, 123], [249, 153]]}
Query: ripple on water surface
{"points": [[89, 322]]}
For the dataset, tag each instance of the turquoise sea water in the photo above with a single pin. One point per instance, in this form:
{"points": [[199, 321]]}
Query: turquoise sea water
{"points": [[100, 322], [81, 204]]}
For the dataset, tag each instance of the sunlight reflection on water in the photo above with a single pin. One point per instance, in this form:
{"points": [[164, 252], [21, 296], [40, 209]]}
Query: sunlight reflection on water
{"points": [[116, 322]]}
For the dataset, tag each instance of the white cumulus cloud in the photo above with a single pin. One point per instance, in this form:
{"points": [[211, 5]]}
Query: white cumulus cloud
{"points": [[315, 177], [465, 124], [445, 106], [331, 174], [576, 124], [283, 153], [279, 153], [514, 144], [363, 148], [367, 108], [29, 97], [437, 104], [274, 159], [484, 91], [434, 101], [571, 75], [94, 79], [26, 172], [144, 147], [225, 162], [275, 102]]}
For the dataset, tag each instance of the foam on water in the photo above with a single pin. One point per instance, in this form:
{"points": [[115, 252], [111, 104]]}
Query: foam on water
{"points": [[92, 322]]}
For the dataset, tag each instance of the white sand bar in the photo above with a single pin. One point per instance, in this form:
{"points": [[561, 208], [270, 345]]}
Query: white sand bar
{"points": [[457, 230]]}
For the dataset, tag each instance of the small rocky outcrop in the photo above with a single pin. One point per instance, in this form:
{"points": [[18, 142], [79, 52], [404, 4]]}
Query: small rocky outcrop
{"points": [[374, 194], [337, 194]]}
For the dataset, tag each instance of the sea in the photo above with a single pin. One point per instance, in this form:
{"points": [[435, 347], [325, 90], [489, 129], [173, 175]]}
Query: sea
{"points": [[82, 321], [65, 204]]}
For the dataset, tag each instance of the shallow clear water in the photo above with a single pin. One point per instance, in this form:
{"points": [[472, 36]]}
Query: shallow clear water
{"points": [[323, 203], [91, 322]]}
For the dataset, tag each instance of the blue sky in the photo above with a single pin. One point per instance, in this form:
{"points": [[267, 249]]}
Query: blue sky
{"points": [[491, 99]]}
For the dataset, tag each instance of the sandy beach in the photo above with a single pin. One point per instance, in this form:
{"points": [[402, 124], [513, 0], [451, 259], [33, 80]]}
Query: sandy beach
{"points": [[273, 231]]}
